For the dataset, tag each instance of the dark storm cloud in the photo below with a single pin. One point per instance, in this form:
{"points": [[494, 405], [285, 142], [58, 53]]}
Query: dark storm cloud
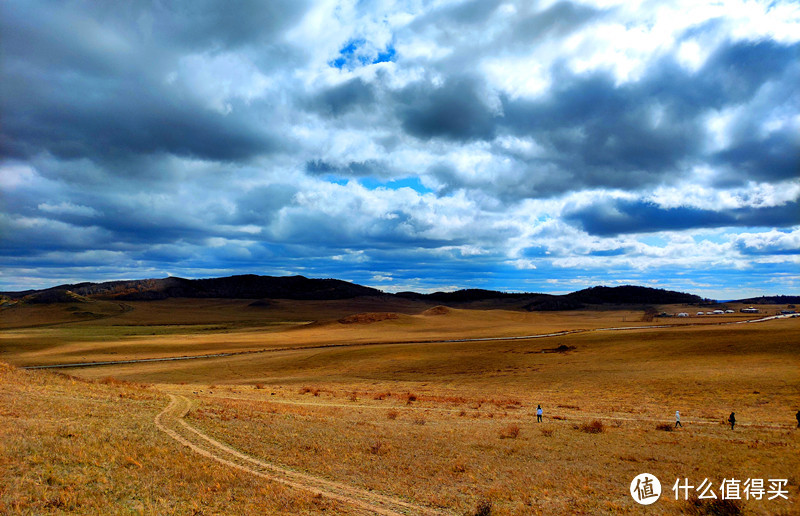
{"points": [[374, 168], [616, 217], [774, 158], [603, 135], [121, 121], [343, 98], [647, 132], [93, 82], [455, 110]]}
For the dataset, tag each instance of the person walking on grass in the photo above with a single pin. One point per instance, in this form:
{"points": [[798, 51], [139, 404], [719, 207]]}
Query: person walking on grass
{"points": [[539, 414], [678, 419], [732, 419]]}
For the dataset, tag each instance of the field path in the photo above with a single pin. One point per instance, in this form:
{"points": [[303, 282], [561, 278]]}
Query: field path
{"points": [[171, 419]]}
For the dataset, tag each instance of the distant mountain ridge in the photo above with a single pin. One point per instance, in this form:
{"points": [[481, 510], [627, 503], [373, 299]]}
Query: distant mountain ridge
{"points": [[771, 300], [252, 286], [626, 294], [249, 286]]}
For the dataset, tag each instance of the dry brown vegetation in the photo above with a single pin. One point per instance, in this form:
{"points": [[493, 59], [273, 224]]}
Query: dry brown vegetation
{"points": [[69, 446], [446, 425]]}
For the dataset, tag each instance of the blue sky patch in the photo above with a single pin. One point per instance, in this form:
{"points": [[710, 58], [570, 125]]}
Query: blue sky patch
{"points": [[357, 53], [406, 182]]}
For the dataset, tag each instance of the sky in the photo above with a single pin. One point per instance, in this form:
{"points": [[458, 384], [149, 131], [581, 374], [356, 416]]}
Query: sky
{"points": [[419, 145]]}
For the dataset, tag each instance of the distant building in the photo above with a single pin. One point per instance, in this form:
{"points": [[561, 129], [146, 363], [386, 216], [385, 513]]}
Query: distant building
{"points": [[718, 312], [749, 310]]}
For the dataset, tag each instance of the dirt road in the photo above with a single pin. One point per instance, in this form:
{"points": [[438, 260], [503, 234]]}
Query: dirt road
{"points": [[171, 422]]}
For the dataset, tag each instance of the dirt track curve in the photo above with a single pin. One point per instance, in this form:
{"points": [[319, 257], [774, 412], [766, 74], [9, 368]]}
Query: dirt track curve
{"points": [[170, 420]]}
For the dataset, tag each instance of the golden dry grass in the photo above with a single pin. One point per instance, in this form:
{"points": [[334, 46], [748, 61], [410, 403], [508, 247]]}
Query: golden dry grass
{"points": [[74, 447], [50, 334], [443, 424]]}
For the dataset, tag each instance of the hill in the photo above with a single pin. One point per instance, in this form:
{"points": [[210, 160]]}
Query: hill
{"points": [[234, 287], [301, 288], [627, 294], [771, 300]]}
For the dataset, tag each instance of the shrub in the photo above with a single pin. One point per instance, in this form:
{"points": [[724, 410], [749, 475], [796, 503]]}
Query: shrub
{"points": [[547, 432], [419, 421], [595, 427], [484, 508], [509, 432], [716, 507], [392, 414], [410, 398], [312, 390], [378, 448], [664, 426], [259, 386]]}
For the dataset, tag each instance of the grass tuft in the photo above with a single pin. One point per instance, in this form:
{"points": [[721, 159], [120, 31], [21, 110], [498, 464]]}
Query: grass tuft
{"points": [[666, 427], [510, 432], [595, 427], [312, 390]]}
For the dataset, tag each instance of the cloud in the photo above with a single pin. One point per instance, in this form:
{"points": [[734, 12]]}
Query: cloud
{"points": [[768, 243], [619, 216], [455, 110], [434, 144], [340, 99]]}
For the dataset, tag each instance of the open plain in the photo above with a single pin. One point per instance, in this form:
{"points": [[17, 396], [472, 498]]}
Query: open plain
{"points": [[389, 407]]}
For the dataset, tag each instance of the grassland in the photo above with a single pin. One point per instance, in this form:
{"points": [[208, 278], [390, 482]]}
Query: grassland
{"points": [[384, 405]]}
